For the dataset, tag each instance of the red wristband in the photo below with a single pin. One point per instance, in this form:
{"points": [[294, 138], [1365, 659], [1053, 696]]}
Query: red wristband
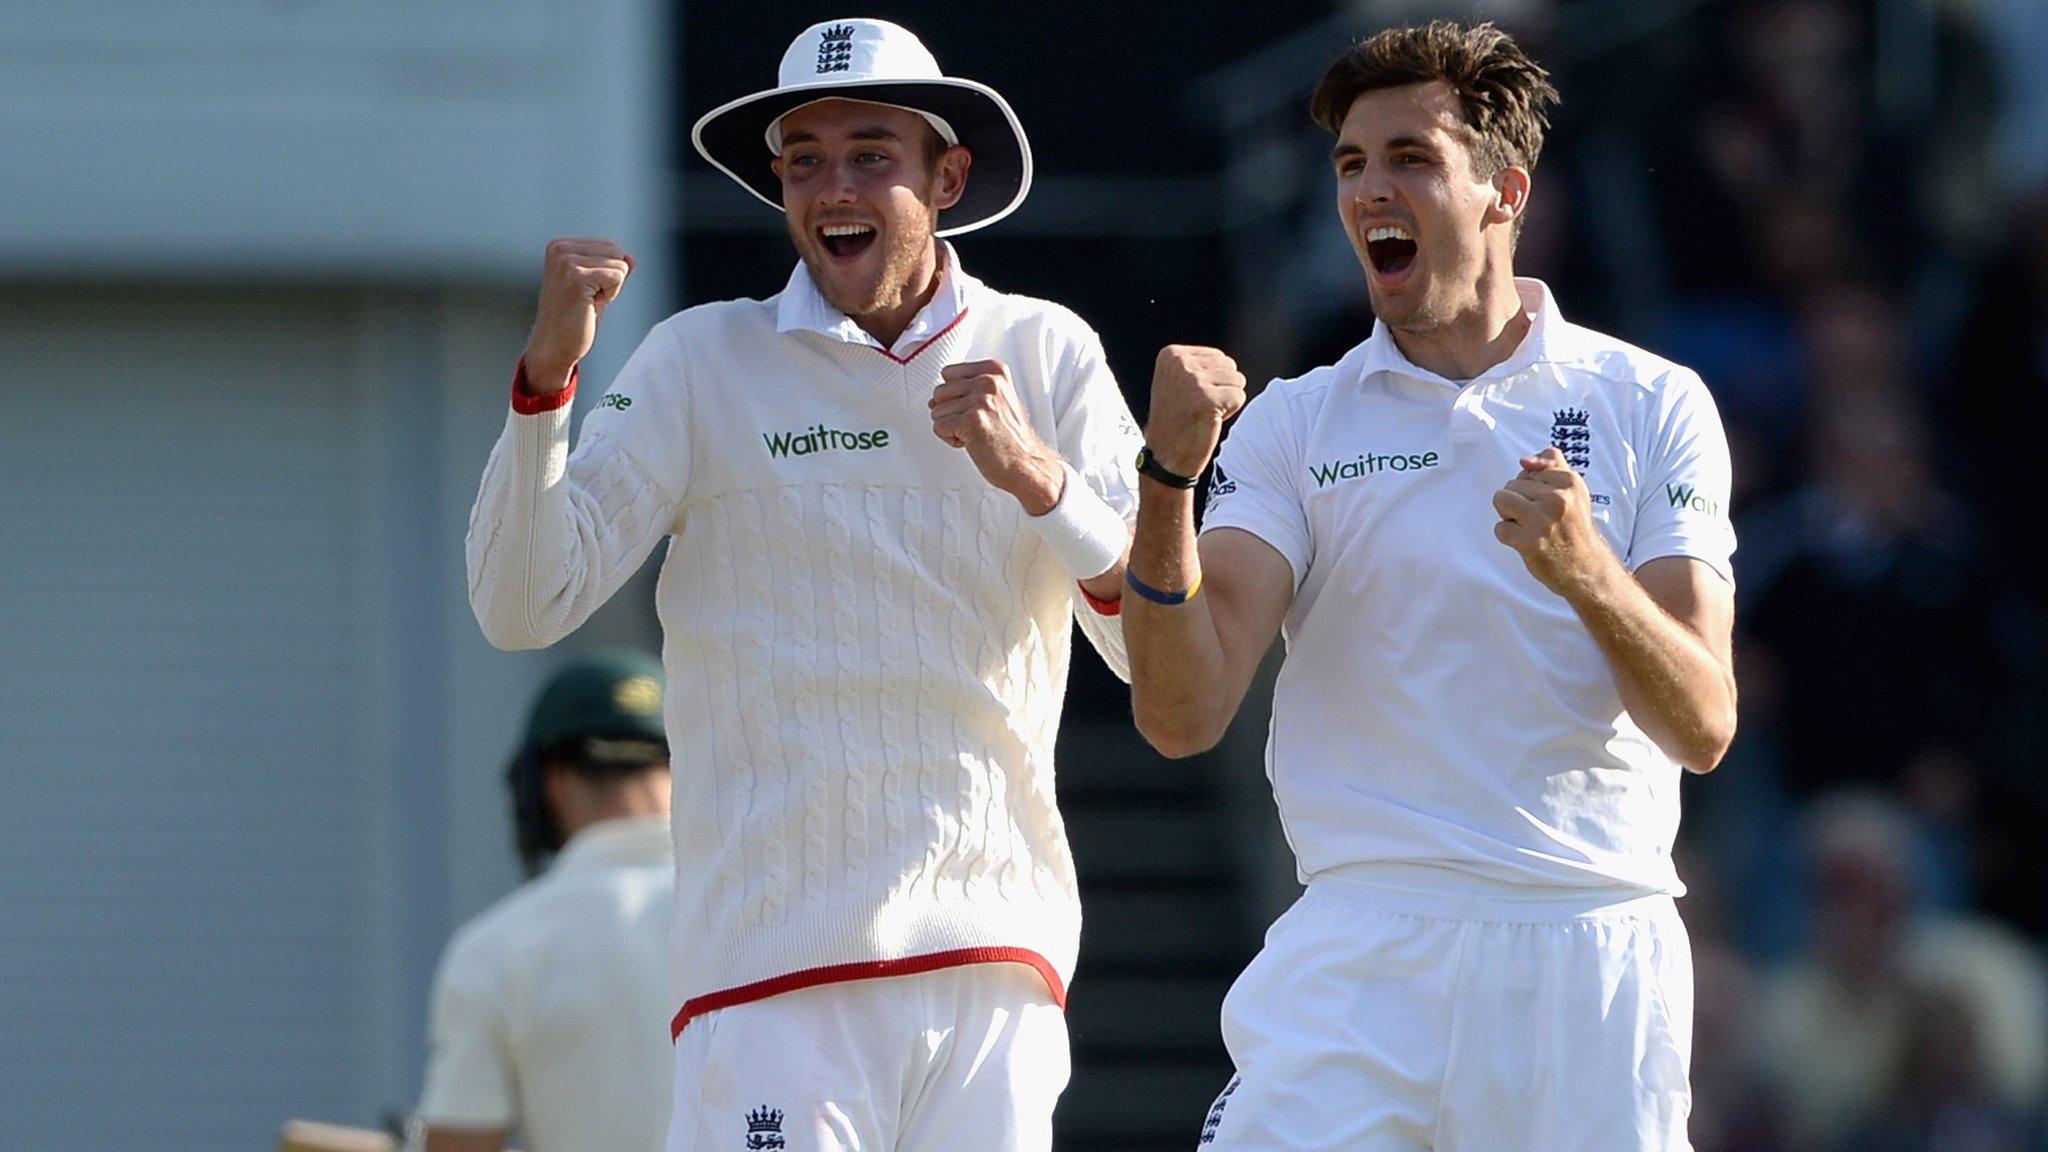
{"points": [[530, 404], [1102, 607]]}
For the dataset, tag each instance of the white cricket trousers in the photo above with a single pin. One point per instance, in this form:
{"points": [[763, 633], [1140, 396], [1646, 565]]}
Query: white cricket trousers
{"points": [[1379, 1021], [972, 1057]]}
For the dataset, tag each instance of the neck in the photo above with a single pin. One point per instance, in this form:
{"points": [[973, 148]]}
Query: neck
{"points": [[886, 324], [1476, 339], [632, 798]]}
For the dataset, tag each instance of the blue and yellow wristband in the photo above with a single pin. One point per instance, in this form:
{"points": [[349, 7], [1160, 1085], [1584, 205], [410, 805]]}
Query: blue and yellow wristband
{"points": [[1158, 597]]}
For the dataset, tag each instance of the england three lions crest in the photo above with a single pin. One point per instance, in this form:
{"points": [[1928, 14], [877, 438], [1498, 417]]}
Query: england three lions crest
{"points": [[835, 53], [1571, 433], [764, 1129]]}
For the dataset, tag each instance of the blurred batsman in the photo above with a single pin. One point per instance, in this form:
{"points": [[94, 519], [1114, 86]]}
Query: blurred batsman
{"points": [[888, 492], [547, 1012], [1499, 546]]}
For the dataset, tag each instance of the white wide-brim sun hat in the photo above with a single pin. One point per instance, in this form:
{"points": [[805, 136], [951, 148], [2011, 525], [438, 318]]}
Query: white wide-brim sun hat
{"points": [[880, 63]]}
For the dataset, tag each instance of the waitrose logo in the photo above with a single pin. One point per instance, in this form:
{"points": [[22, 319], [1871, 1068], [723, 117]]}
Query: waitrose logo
{"points": [[819, 438], [1686, 496], [1371, 463]]}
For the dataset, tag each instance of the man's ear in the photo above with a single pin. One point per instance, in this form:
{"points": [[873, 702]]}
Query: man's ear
{"points": [[1511, 188], [554, 781], [949, 177]]}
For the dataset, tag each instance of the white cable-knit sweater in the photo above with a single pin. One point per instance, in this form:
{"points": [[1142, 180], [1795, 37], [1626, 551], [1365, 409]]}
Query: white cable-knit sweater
{"points": [[866, 644]]}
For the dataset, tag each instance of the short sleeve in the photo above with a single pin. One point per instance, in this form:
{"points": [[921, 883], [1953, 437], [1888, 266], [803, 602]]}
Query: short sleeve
{"points": [[1255, 484], [1682, 503], [470, 1078]]}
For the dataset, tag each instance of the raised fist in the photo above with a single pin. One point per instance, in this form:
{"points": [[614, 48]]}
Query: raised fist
{"points": [[582, 275], [1194, 390], [975, 408], [1547, 516]]}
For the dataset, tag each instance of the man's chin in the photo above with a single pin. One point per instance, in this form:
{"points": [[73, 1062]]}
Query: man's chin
{"points": [[852, 303], [1393, 311], [851, 296]]}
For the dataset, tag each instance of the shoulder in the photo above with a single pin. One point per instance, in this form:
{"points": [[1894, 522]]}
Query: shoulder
{"points": [[1015, 311], [1297, 401], [1625, 366], [718, 319], [478, 951]]}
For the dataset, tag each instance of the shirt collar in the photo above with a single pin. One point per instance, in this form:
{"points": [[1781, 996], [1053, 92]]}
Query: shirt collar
{"points": [[802, 308], [616, 843], [1546, 340]]}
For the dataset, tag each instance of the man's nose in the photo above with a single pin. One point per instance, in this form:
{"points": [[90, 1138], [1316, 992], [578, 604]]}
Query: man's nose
{"points": [[1375, 184], [839, 186]]}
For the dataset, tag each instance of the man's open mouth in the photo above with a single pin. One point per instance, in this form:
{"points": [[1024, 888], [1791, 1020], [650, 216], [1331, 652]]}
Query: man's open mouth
{"points": [[1390, 249], [845, 241]]}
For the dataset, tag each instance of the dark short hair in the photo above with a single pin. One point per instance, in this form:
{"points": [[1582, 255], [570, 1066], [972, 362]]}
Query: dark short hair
{"points": [[1505, 94]]}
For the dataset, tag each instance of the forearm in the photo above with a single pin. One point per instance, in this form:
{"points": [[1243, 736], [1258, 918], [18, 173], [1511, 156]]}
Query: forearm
{"points": [[542, 551], [1179, 694], [1109, 585], [1678, 689]]}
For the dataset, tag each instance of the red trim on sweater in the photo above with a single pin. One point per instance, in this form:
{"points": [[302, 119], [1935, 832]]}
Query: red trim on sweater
{"points": [[867, 970], [926, 344], [529, 404], [1102, 607]]}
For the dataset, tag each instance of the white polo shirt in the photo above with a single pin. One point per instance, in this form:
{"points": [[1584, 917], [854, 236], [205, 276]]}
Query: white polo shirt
{"points": [[1443, 723], [551, 1009]]}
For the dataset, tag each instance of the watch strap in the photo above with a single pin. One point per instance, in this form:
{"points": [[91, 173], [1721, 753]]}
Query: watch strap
{"points": [[1147, 466]]}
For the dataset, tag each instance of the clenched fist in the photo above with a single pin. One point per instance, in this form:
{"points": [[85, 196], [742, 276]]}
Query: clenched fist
{"points": [[975, 408], [1547, 516], [1194, 390], [582, 275]]}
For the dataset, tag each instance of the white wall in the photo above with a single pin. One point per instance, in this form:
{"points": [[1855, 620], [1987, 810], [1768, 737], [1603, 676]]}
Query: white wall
{"points": [[264, 267]]}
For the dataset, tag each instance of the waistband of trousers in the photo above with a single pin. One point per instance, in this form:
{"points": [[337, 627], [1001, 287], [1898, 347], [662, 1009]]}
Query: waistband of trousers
{"points": [[1444, 894]]}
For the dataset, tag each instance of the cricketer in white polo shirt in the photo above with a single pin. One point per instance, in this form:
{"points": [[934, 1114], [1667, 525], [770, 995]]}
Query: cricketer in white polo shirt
{"points": [[1498, 548]]}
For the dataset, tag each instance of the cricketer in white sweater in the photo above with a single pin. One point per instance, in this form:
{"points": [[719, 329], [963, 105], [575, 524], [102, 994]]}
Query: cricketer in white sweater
{"points": [[866, 643]]}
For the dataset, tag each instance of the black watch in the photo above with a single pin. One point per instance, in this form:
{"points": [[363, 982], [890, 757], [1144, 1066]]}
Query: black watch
{"points": [[1147, 466]]}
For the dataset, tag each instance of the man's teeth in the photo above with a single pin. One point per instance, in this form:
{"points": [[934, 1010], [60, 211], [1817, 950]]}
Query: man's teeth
{"points": [[846, 230], [1388, 233]]}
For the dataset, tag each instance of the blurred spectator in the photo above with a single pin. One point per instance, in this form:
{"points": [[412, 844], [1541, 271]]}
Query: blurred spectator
{"points": [[1941, 1101], [1732, 1106], [1844, 1024], [1754, 193], [1869, 549], [1998, 398]]}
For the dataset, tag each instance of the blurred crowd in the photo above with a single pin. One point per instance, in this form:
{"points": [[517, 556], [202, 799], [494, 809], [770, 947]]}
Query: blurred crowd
{"points": [[1851, 244], [1837, 211]]}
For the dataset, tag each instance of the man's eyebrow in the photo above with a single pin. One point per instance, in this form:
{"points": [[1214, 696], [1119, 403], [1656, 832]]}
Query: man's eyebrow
{"points": [[1345, 148], [876, 132]]}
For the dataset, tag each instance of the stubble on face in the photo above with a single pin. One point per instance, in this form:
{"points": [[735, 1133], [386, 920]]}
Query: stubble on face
{"points": [[901, 242]]}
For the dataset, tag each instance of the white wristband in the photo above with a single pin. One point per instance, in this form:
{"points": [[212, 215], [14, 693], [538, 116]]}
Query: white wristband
{"points": [[1082, 529]]}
